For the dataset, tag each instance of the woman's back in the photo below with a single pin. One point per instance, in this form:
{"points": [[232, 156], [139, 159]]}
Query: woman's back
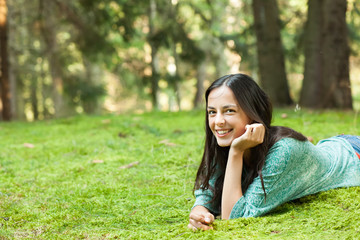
{"points": [[294, 169]]}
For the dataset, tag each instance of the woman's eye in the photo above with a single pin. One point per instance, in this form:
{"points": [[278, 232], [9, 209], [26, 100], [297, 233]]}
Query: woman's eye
{"points": [[230, 111], [211, 112]]}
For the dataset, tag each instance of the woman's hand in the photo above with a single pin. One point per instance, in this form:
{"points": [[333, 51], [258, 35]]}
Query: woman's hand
{"points": [[253, 136], [200, 218]]}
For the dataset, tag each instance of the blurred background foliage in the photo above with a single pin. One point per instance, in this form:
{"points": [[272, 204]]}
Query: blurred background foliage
{"points": [[82, 56]]}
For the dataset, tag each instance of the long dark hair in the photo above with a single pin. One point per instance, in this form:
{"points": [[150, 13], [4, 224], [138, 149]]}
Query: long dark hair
{"points": [[257, 106]]}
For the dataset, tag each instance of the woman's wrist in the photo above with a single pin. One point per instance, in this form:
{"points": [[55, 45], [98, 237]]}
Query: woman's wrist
{"points": [[236, 153], [200, 208]]}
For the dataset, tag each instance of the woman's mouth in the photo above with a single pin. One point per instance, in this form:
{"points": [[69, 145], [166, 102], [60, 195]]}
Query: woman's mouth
{"points": [[222, 133]]}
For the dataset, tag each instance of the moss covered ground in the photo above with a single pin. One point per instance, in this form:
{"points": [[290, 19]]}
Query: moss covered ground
{"points": [[131, 177]]}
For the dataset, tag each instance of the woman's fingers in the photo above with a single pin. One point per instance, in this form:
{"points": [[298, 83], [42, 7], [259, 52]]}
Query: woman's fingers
{"points": [[194, 225], [196, 217], [205, 227], [200, 221], [259, 132], [209, 218], [255, 132]]}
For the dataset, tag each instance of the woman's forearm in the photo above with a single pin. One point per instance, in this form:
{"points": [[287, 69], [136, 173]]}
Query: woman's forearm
{"points": [[232, 183]]}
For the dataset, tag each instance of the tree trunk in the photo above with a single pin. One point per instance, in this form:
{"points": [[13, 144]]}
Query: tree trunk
{"points": [[200, 79], [218, 54], [12, 62], [4, 81], [93, 78], [270, 52], [176, 84], [155, 76], [17, 36], [217, 47], [326, 77], [311, 88], [49, 36], [34, 100]]}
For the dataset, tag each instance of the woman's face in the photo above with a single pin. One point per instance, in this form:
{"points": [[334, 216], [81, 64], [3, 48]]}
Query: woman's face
{"points": [[227, 120]]}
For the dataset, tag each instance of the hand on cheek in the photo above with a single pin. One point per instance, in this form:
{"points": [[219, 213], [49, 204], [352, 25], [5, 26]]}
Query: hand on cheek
{"points": [[253, 136]]}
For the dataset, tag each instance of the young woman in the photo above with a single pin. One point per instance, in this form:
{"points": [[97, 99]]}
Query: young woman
{"points": [[250, 167]]}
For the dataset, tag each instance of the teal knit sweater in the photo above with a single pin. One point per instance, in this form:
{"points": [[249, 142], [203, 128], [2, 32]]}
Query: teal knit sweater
{"points": [[294, 169]]}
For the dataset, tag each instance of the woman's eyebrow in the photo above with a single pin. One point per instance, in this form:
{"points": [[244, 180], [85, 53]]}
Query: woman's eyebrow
{"points": [[230, 106], [225, 106]]}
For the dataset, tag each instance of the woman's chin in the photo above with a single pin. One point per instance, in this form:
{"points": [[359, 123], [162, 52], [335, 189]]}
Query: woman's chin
{"points": [[224, 143]]}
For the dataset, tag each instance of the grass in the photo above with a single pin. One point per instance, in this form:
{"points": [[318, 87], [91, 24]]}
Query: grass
{"points": [[131, 177]]}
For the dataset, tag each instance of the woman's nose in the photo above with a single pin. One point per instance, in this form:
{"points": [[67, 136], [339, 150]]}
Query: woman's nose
{"points": [[220, 120]]}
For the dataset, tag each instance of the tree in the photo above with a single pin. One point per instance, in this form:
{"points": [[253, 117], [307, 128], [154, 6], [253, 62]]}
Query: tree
{"points": [[270, 51], [154, 44], [209, 49], [4, 80], [48, 30], [326, 81]]}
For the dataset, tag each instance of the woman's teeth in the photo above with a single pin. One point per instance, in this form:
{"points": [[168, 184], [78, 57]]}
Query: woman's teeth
{"points": [[221, 132]]}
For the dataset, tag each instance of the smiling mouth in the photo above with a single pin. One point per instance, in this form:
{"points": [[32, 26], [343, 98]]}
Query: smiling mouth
{"points": [[222, 133]]}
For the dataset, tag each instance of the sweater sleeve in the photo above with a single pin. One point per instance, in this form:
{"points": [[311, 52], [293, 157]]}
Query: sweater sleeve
{"points": [[279, 176], [203, 198]]}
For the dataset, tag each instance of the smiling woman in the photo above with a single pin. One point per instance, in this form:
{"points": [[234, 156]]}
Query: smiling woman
{"points": [[227, 120], [249, 167]]}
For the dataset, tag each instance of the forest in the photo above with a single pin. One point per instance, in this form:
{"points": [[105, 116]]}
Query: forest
{"points": [[102, 111], [62, 58]]}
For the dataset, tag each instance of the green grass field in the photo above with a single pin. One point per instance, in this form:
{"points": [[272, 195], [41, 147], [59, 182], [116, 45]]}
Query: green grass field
{"points": [[131, 177]]}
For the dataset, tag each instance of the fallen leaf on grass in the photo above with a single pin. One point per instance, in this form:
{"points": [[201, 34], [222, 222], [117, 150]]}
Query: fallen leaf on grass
{"points": [[122, 135], [98, 161], [177, 131], [284, 115], [106, 121], [29, 145], [167, 143], [129, 165], [132, 213]]}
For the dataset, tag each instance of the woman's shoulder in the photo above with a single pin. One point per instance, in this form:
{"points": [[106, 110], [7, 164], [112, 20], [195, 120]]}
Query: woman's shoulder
{"points": [[285, 150], [289, 144]]}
